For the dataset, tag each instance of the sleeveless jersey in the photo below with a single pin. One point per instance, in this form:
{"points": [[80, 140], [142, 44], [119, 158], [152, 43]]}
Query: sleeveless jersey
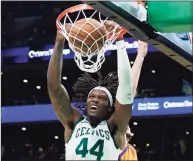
{"points": [[88, 143], [128, 154]]}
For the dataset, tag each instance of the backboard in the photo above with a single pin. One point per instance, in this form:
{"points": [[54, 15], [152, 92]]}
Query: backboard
{"points": [[133, 16]]}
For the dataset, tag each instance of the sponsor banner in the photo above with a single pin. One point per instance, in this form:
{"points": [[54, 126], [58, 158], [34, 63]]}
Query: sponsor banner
{"points": [[142, 107], [25, 54], [162, 106]]}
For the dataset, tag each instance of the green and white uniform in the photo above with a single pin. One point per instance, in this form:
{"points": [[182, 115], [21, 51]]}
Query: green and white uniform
{"points": [[88, 143]]}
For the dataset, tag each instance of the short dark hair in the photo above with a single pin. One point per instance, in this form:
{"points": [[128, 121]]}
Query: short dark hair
{"points": [[85, 83]]}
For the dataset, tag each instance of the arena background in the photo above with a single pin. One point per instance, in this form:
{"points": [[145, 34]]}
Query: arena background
{"points": [[32, 24]]}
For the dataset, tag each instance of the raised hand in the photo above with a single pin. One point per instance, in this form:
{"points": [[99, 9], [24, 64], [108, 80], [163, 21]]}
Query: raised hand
{"points": [[61, 37], [142, 48]]}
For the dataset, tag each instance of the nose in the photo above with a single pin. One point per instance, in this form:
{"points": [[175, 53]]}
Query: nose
{"points": [[95, 100]]}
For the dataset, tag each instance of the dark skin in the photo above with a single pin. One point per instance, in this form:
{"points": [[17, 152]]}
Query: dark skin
{"points": [[68, 116], [100, 99]]}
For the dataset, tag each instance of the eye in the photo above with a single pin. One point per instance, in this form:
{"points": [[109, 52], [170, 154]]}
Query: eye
{"points": [[91, 96], [102, 98]]}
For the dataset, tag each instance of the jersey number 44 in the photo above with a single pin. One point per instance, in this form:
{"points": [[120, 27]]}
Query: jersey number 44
{"points": [[97, 149]]}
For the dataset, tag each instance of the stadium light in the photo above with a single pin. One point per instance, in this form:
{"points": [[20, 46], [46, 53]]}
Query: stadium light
{"points": [[23, 128], [56, 137], [64, 78], [147, 145], [153, 71], [187, 132], [38, 87], [135, 123], [25, 80]]}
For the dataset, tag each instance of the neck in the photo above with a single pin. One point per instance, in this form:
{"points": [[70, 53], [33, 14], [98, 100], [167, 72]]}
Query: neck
{"points": [[94, 121]]}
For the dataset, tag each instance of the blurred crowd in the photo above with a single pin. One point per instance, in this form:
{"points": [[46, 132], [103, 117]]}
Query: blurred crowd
{"points": [[154, 139], [55, 152], [28, 152]]}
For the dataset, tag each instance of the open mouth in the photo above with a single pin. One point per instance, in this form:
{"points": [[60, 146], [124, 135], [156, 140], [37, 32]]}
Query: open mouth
{"points": [[93, 108]]}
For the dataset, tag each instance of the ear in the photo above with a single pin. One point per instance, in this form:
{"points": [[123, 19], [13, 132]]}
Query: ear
{"points": [[109, 108]]}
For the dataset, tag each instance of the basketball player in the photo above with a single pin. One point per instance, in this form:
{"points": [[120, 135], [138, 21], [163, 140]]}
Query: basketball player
{"points": [[129, 153], [102, 134]]}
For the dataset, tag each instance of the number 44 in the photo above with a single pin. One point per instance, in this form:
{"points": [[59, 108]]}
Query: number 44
{"points": [[83, 150]]}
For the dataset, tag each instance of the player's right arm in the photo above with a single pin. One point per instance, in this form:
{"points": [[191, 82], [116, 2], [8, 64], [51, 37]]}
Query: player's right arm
{"points": [[58, 95]]}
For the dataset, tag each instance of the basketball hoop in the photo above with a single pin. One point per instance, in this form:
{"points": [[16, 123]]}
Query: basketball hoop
{"points": [[85, 60]]}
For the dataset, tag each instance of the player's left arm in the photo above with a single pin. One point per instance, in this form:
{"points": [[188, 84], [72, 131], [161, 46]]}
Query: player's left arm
{"points": [[124, 95], [128, 82]]}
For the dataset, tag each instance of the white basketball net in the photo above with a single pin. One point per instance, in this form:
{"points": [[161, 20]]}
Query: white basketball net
{"points": [[83, 59]]}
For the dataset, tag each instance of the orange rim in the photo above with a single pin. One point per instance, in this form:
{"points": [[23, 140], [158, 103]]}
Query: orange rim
{"points": [[78, 8], [72, 10]]}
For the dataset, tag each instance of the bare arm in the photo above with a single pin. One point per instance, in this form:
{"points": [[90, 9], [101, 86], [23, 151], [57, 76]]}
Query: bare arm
{"points": [[57, 93], [136, 69]]}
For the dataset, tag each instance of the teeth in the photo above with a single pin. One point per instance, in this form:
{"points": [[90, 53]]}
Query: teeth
{"points": [[95, 107]]}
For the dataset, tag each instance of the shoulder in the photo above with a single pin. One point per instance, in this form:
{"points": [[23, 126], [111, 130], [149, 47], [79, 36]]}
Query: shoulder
{"points": [[78, 121], [69, 130], [73, 125], [129, 153], [111, 126], [111, 123], [132, 152]]}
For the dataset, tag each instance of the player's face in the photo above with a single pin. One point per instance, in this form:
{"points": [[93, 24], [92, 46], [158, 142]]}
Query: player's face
{"points": [[98, 104]]}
